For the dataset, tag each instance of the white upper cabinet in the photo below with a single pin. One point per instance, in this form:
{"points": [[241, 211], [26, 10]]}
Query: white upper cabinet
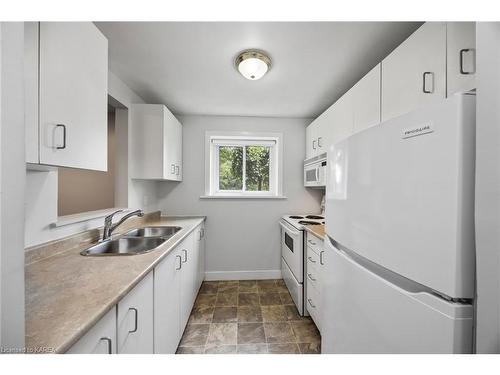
{"points": [[357, 109], [340, 120], [311, 139], [414, 74], [135, 333], [156, 143], [72, 94], [461, 56], [332, 125], [366, 100], [323, 131]]}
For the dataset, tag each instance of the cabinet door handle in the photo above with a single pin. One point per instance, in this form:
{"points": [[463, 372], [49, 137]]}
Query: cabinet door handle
{"points": [[64, 136], [311, 242], [314, 144], [462, 55], [202, 232], [177, 170], [311, 260], [135, 319], [319, 143], [310, 277], [424, 82], [172, 168], [321, 258], [310, 303], [185, 256], [110, 344], [180, 262]]}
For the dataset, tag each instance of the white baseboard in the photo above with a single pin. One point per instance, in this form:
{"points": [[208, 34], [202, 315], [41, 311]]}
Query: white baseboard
{"points": [[242, 275]]}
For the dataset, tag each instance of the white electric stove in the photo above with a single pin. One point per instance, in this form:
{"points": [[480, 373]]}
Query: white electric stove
{"points": [[293, 254]]}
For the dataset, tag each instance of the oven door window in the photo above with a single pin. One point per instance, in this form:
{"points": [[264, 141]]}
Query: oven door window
{"points": [[289, 242]]}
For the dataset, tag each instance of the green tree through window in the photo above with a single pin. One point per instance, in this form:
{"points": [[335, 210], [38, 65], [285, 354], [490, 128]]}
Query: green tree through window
{"points": [[239, 164], [257, 168], [230, 168]]}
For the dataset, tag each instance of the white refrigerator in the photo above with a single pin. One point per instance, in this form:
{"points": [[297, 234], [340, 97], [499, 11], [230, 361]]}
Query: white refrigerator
{"points": [[399, 259]]}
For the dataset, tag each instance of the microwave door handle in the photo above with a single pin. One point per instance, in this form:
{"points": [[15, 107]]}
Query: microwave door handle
{"points": [[317, 174]]}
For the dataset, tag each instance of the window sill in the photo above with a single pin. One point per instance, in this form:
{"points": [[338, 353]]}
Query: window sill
{"points": [[84, 216], [243, 197]]}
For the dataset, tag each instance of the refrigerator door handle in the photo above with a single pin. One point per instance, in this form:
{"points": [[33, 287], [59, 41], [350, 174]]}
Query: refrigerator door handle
{"points": [[391, 277]]}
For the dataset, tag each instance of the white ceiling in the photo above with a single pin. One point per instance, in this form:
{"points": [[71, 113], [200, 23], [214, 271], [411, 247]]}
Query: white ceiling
{"points": [[189, 66]]}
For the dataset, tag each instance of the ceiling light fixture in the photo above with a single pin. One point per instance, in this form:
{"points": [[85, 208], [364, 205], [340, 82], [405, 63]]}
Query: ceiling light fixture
{"points": [[253, 64]]}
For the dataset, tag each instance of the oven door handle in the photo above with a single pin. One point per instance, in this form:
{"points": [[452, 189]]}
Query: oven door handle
{"points": [[286, 228]]}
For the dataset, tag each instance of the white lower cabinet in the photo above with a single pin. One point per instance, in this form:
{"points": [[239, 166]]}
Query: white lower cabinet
{"points": [[177, 280], [314, 255], [152, 316], [167, 297], [101, 339], [135, 319], [200, 249], [188, 277]]}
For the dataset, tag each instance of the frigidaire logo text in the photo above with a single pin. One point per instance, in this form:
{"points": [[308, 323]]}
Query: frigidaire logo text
{"points": [[425, 129]]}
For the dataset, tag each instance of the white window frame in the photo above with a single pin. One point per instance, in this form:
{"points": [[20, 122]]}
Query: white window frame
{"points": [[214, 139]]}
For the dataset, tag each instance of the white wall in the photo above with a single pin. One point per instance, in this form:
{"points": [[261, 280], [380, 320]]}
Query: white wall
{"points": [[12, 183], [488, 187], [242, 236], [41, 193]]}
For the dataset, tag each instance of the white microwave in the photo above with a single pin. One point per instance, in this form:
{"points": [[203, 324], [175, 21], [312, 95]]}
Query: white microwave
{"points": [[315, 171]]}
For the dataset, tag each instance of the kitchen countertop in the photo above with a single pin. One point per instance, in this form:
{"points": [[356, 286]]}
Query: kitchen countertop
{"points": [[317, 230], [66, 293]]}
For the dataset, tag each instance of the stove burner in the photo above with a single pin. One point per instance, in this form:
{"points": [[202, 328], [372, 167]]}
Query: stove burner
{"points": [[308, 222], [296, 217], [314, 217]]}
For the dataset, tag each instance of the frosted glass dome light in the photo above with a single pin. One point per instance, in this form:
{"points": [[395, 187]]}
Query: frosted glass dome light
{"points": [[253, 64]]}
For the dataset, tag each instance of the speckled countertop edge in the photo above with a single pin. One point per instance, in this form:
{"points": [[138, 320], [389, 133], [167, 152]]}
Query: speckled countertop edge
{"points": [[317, 230], [67, 294]]}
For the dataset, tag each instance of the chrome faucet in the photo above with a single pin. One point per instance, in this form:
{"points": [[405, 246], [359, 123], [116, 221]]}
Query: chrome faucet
{"points": [[109, 227]]}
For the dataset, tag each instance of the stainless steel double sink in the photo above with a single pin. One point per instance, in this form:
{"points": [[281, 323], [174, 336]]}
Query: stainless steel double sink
{"points": [[134, 242]]}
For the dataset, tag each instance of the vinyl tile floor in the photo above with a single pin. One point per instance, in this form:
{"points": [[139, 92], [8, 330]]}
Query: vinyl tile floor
{"points": [[247, 317]]}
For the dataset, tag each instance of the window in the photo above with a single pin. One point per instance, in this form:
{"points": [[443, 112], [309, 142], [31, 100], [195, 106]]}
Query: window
{"points": [[243, 165]]}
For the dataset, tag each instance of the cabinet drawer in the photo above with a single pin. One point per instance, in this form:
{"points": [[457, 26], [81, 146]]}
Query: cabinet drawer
{"points": [[315, 243], [312, 259], [312, 276], [313, 305]]}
